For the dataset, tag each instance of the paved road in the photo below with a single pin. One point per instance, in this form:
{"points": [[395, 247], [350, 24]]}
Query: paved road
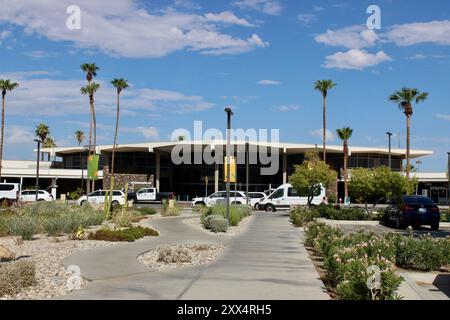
{"points": [[266, 261]]}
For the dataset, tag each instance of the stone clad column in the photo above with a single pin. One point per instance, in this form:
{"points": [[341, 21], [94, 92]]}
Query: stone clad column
{"points": [[284, 167], [158, 169], [216, 177]]}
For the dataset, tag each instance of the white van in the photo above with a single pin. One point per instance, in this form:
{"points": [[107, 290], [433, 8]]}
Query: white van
{"points": [[285, 196], [9, 191], [98, 197]]}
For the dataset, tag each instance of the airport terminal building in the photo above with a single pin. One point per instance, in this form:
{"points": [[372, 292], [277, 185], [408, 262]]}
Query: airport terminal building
{"points": [[153, 163]]}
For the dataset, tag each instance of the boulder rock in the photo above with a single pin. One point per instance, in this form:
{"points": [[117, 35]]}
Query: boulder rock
{"points": [[6, 254]]}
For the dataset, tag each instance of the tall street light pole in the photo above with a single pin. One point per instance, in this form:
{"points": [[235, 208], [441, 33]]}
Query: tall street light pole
{"points": [[246, 170], [229, 114], [448, 174], [389, 143], [37, 167]]}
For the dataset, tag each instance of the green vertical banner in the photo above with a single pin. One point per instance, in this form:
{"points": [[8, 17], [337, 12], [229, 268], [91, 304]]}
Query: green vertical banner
{"points": [[93, 166]]}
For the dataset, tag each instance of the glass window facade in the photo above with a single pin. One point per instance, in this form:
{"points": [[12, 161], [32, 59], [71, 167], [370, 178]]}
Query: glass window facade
{"points": [[188, 180]]}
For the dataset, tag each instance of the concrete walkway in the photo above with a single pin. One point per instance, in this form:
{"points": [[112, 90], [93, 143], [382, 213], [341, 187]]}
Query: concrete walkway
{"points": [[266, 261]]}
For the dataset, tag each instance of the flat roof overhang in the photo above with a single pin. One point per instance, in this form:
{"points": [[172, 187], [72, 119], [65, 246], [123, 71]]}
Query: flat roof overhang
{"points": [[288, 148]]}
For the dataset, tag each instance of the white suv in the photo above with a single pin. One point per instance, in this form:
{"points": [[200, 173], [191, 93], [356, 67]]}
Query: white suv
{"points": [[255, 198], [98, 197], [30, 195], [237, 197]]}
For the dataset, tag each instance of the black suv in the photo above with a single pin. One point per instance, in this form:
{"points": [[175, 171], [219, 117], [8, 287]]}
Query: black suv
{"points": [[414, 211]]}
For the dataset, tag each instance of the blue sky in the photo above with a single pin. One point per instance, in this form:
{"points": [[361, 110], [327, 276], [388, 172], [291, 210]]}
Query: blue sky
{"points": [[186, 60]]}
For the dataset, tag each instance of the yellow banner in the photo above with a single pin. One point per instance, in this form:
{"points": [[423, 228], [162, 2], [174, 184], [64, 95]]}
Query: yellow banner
{"points": [[233, 171]]}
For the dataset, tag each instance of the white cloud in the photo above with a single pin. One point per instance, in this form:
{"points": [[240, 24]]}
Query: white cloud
{"points": [[286, 108], [437, 32], [318, 8], [268, 82], [18, 135], [4, 34], [227, 17], [39, 94], [306, 18], [253, 42], [442, 116], [37, 54], [353, 37], [271, 7], [319, 132], [122, 28], [417, 57], [148, 132], [355, 59]]}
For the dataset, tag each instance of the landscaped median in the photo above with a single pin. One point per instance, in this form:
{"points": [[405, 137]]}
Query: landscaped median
{"points": [[213, 219], [363, 265], [35, 238]]}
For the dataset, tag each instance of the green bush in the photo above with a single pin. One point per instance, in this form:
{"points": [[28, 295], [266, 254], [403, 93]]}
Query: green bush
{"points": [[25, 226], [52, 218], [207, 220], [126, 235], [16, 276], [166, 211], [146, 211], [218, 224], [347, 258], [301, 215], [336, 212], [423, 254], [237, 212]]}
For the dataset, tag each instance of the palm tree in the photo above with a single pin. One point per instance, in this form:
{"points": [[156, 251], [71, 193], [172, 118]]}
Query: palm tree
{"points": [[345, 134], [404, 98], [90, 90], [119, 84], [49, 142], [91, 71], [79, 136], [42, 131], [324, 86], [5, 86]]}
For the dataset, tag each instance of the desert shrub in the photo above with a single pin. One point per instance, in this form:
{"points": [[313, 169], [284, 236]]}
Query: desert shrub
{"points": [[301, 215], [123, 219], [52, 218], [218, 224], [336, 212], [54, 226], [207, 220], [127, 235], [146, 211], [25, 226], [423, 254], [347, 258], [16, 276], [237, 213], [166, 211], [174, 255]]}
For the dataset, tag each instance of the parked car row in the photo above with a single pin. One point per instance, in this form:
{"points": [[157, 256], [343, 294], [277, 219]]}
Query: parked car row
{"points": [[281, 198], [10, 192]]}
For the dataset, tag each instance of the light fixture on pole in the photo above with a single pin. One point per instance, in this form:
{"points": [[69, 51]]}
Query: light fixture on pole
{"points": [[229, 114], [37, 167], [389, 143]]}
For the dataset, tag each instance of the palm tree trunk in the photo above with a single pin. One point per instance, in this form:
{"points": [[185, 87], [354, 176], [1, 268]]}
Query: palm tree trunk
{"points": [[324, 136], [94, 123], [88, 184], [111, 183], [345, 169], [3, 134], [408, 128]]}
